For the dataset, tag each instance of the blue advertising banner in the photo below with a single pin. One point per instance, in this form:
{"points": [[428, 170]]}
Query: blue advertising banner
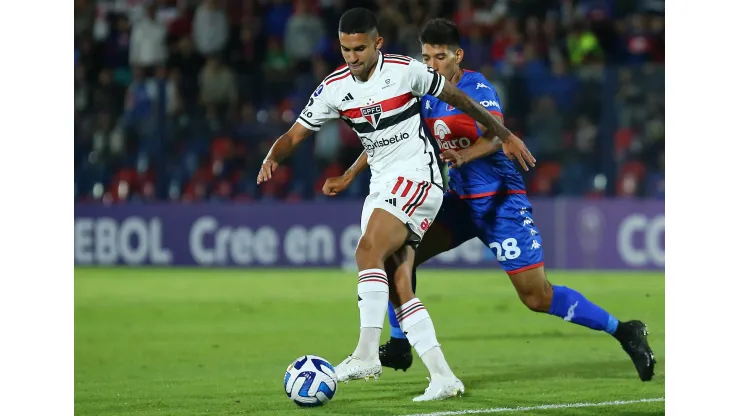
{"points": [[577, 234]]}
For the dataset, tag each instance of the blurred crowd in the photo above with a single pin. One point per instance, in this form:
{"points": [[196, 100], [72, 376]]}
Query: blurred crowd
{"points": [[179, 100]]}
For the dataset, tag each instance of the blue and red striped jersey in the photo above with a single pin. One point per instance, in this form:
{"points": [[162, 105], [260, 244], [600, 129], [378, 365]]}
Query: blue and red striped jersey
{"points": [[455, 130]]}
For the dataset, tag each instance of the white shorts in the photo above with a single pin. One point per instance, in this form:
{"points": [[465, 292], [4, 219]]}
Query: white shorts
{"points": [[413, 201]]}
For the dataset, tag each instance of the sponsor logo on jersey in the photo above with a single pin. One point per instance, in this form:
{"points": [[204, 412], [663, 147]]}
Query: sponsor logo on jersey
{"points": [[370, 145], [445, 140], [489, 103], [454, 144]]}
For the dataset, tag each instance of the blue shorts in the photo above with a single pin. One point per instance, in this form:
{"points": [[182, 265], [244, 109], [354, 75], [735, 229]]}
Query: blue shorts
{"points": [[504, 223]]}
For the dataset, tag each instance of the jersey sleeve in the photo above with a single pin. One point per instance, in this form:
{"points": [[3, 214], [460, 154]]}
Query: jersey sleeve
{"points": [[319, 109], [425, 80], [426, 106], [486, 94]]}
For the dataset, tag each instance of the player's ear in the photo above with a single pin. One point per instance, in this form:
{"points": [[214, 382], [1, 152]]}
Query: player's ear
{"points": [[378, 42], [459, 54]]}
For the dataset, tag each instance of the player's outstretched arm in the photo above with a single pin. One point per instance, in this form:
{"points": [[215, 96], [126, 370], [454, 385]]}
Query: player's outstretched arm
{"points": [[282, 148], [335, 185], [494, 128]]}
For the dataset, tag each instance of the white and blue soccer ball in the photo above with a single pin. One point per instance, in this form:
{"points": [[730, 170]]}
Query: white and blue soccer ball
{"points": [[310, 381]]}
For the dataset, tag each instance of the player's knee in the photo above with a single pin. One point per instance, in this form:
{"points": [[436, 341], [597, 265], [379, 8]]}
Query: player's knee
{"points": [[537, 300], [364, 246], [533, 289], [368, 249]]}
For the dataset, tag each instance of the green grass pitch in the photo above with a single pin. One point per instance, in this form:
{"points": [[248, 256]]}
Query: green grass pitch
{"points": [[217, 342]]}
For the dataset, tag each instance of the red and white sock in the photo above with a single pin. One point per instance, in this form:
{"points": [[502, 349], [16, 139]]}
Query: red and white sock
{"points": [[372, 300], [416, 323]]}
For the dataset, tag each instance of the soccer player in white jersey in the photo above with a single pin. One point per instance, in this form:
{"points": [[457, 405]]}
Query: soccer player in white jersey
{"points": [[378, 95]]}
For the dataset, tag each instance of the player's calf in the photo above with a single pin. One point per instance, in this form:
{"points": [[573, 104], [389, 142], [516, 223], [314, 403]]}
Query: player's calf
{"points": [[539, 295], [417, 324], [535, 292], [413, 318], [372, 296], [383, 235], [396, 352]]}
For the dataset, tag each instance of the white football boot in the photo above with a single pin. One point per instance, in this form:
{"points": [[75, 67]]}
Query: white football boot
{"points": [[352, 368], [441, 388]]}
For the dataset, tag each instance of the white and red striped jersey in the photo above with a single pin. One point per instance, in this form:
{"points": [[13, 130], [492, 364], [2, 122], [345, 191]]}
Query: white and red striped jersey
{"points": [[385, 113]]}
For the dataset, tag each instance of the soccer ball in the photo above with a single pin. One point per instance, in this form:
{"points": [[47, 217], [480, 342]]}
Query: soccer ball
{"points": [[310, 381]]}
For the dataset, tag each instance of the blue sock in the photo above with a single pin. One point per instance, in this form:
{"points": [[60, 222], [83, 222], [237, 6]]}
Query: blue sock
{"points": [[392, 320], [395, 327], [574, 307]]}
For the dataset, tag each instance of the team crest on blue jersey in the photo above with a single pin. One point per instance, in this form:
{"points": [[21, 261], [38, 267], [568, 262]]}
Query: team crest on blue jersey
{"points": [[372, 114], [450, 107]]}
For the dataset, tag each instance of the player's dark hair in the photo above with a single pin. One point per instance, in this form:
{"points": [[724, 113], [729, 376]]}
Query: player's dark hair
{"points": [[358, 20], [440, 31]]}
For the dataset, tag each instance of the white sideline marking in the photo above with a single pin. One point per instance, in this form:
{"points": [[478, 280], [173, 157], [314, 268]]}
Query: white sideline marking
{"points": [[541, 407]]}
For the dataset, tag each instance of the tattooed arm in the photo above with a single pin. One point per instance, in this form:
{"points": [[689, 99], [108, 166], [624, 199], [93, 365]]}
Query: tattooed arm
{"points": [[494, 128], [465, 103]]}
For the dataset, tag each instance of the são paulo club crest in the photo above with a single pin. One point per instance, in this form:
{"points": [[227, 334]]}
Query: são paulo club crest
{"points": [[372, 113]]}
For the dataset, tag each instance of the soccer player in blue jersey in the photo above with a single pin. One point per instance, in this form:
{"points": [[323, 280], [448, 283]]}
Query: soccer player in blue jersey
{"points": [[487, 199]]}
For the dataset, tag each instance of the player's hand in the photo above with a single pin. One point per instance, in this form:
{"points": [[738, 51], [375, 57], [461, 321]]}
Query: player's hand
{"points": [[451, 156], [335, 185], [514, 148], [268, 167]]}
